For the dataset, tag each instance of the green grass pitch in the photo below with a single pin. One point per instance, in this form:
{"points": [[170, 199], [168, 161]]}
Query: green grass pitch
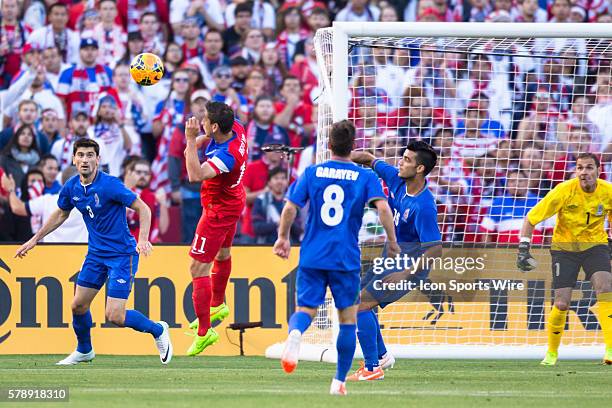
{"points": [[243, 382]]}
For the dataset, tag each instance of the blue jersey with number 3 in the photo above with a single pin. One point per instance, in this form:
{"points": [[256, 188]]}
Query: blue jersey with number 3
{"points": [[338, 192], [102, 204]]}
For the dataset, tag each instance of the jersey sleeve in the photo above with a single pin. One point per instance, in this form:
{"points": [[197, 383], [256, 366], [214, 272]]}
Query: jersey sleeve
{"points": [[386, 172], [222, 162], [120, 193], [374, 189], [548, 206], [64, 201], [426, 225], [298, 191]]}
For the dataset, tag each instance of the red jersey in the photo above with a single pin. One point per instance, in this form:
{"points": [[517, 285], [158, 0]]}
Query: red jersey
{"points": [[224, 194]]}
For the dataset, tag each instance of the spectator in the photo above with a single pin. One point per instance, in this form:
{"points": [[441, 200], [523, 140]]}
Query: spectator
{"points": [[49, 167], [268, 207], [52, 61], [252, 46], [306, 71], [388, 14], [540, 123], [58, 35], [110, 35], [72, 230], [80, 85], [317, 19], [223, 92], [291, 32], [137, 179], [359, 11], [253, 88], [183, 192], [423, 119], [135, 46], [535, 168], [212, 58], [27, 114], [601, 113], [561, 11], [529, 12], [262, 128], [193, 45], [49, 126], [206, 12], [20, 154], [293, 114], [109, 130], [232, 36], [255, 179], [431, 78], [131, 12], [264, 16], [389, 76], [152, 36], [19, 226], [477, 11], [240, 68], [471, 136], [35, 15], [274, 70], [13, 35], [131, 102], [504, 218]]}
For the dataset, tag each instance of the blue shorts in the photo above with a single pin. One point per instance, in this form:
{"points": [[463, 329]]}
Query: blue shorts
{"points": [[386, 297], [119, 270], [312, 284]]}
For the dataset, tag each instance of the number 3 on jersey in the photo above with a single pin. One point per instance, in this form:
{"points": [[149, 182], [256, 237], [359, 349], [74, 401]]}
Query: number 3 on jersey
{"points": [[331, 210]]}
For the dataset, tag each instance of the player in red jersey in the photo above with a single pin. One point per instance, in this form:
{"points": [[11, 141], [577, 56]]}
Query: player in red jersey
{"points": [[223, 199]]}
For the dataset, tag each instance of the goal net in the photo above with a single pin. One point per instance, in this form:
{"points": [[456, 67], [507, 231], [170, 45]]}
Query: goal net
{"points": [[507, 107]]}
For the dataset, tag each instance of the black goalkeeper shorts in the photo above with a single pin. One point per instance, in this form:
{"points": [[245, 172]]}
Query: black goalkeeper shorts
{"points": [[566, 265]]}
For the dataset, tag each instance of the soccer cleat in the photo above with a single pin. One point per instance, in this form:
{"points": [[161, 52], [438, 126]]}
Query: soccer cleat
{"points": [[607, 360], [163, 344], [201, 342], [363, 374], [77, 357], [550, 359], [289, 358], [217, 314], [337, 388], [386, 361]]}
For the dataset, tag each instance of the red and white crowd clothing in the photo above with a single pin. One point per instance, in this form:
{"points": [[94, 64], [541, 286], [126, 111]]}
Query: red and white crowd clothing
{"points": [[15, 37], [67, 41], [148, 196], [302, 115], [286, 45], [130, 12], [112, 43], [171, 113], [80, 87]]}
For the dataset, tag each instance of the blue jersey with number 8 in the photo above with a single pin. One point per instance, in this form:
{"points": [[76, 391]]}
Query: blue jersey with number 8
{"points": [[337, 192]]}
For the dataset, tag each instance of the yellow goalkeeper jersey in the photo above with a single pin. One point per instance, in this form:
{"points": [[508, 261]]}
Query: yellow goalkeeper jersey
{"points": [[580, 215]]}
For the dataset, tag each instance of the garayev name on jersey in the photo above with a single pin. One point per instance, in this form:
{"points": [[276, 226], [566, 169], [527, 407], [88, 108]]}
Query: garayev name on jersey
{"points": [[338, 174]]}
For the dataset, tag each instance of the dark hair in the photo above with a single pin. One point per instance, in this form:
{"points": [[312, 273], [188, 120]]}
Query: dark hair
{"points": [[342, 138], [25, 191], [165, 56], [213, 31], [54, 5], [221, 114], [589, 156], [13, 142], [275, 171], [261, 98], [84, 143], [104, 1], [45, 158], [288, 78], [426, 155], [148, 13], [131, 165], [245, 7]]}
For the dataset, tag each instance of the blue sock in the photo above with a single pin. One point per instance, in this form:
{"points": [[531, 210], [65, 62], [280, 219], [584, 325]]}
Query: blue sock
{"points": [[382, 350], [345, 345], [82, 326], [139, 322], [366, 323], [299, 321]]}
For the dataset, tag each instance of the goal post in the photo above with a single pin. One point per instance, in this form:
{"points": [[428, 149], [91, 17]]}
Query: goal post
{"points": [[508, 106]]}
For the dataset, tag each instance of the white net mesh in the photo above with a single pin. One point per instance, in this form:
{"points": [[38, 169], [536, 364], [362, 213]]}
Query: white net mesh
{"points": [[508, 117]]}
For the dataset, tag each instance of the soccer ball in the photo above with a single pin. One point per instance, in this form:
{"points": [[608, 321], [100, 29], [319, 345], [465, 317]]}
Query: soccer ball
{"points": [[147, 69]]}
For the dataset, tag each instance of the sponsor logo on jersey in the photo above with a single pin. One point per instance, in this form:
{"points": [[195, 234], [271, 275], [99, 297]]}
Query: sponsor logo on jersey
{"points": [[600, 210], [405, 217]]}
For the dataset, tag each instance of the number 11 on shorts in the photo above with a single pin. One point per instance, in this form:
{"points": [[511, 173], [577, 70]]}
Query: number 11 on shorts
{"points": [[194, 246]]}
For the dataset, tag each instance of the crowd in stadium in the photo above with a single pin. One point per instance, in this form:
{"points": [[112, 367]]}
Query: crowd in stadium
{"points": [[506, 128]]}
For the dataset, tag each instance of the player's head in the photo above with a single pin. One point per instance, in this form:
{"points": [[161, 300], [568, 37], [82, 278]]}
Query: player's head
{"points": [[342, 138], [418, 160], [587, 170], [138, 173], [218, 119], [86, 156]]}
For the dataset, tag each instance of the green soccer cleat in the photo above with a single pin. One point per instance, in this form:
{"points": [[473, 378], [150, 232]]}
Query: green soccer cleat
{"points": [[201, 342], [550, 359], [607, 360], [217, 314]]}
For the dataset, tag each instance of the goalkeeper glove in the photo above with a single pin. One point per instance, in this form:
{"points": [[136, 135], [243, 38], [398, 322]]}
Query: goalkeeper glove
{"points": [[524, 261]]}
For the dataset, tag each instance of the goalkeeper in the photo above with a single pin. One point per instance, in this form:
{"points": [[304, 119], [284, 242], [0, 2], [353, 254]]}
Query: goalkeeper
{"points": [[579, 241]]}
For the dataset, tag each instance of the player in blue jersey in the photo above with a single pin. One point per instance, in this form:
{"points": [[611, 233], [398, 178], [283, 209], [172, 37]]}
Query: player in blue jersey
{"points": [[112, 252], [337, 192], [416, 225]]}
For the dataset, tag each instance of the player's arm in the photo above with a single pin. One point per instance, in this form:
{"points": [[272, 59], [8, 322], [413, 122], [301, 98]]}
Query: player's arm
{"points": [[144, 218], [197, 172], [282, 246], [386, 218], [363, 158], [56, 219]]}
